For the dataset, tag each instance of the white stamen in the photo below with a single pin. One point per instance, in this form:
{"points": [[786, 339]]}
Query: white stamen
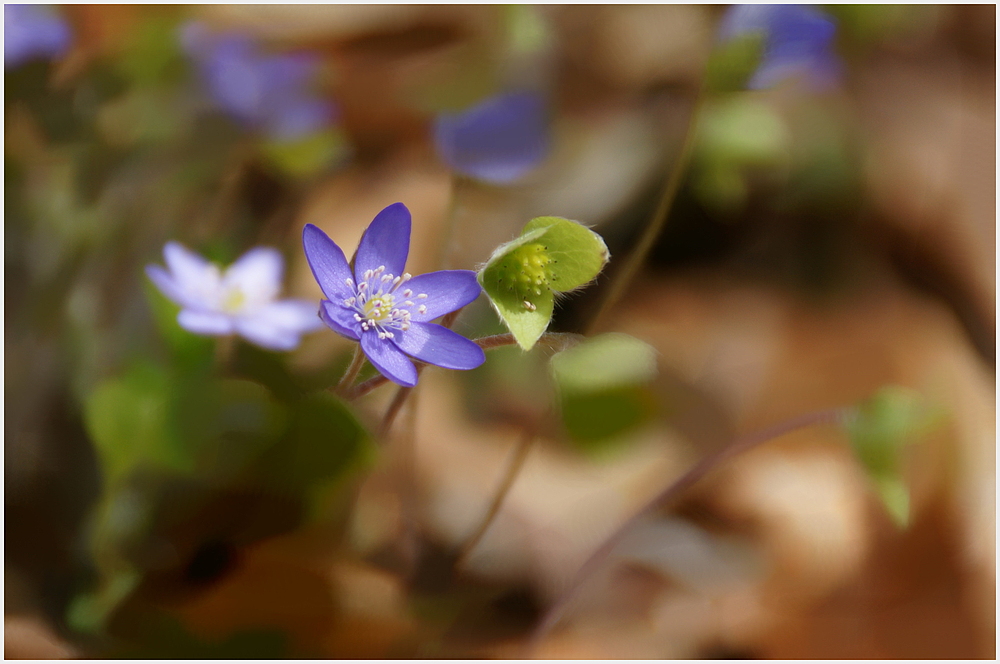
{"points": [[407, 293], [357, 317], [367, 275], [349, 281], [422, 296], [422, 309], [408, 303], [362, 286], [350, 301]]}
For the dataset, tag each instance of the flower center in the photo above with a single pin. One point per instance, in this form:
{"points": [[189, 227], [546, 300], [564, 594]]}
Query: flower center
{"points": [[379, 304], [233, 300]]}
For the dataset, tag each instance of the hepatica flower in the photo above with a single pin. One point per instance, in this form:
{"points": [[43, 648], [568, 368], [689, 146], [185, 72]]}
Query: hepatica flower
{"points": [[32, 31], [268, 92], [240, 300], [798, 42], [498, 140], [386, 309]]}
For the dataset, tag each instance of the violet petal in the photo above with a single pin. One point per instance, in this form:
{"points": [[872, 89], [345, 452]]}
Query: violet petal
{"points": [[327, 262], [440, 346], [339, 319], [498, 140], [386, 242], [446, 290], [389, 360]]}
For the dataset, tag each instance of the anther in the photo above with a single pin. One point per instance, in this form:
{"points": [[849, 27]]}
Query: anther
{"points": [[407, 293], [422, 296], [349, 281], [422, 309], [408, 303]]}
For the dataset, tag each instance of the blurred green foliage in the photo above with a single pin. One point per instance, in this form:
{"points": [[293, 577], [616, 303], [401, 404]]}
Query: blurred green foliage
{"points": [[879, 430], [604, 389]]}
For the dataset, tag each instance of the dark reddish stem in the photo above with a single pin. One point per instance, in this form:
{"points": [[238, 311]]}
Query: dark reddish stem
{"points": [[695, 473]]}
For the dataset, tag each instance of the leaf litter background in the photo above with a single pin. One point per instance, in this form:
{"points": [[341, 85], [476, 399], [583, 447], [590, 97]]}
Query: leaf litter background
{"points": [[822, 246]]}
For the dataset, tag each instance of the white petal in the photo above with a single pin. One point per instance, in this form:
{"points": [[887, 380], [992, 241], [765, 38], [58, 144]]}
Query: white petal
{"points": [[297, 315], [198, 279], [205, 322], [257, 274]]}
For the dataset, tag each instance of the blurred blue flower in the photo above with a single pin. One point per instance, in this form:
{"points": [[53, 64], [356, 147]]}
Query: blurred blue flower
{"points": [[498, 140], [266, 92], [32, 31], [798, 42], [240, 300], [390, 315]]}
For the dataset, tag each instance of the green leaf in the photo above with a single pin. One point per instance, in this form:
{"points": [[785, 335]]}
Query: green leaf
{"points": [[308, 155], [896, 498], [603, 388], [323, 443], [742, 131], [879, 429], [604, 362], [552, 255], [127, 418], [732, 63]]}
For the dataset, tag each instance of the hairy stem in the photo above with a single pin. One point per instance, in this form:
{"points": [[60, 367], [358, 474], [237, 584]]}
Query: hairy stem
{"points": [[520, 455], [555, 340], [357, 361], [390, 413], [657, 222], [678, 486]]}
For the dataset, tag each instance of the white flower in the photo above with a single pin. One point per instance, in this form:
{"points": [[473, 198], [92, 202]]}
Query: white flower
{"points": [[240, 300]]}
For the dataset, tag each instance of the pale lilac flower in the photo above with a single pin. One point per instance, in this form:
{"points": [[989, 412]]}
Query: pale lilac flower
{"points": [[32, 31], [386, 309], [498, 141], [240, 300], [268, 92], [798, 42]]}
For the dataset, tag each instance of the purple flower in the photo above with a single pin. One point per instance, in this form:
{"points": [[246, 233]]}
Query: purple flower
{"points": [[240, 300], [798, 41], [266, 92], [386, 309], [498, 140], [32, 31]]}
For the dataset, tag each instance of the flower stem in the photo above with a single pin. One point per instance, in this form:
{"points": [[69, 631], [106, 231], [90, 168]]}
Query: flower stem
{"points": [[225, 353], [555, 340], [390, 413], [674, 489], [448, 239], [659, 219], [357, 361], [524, 445]]}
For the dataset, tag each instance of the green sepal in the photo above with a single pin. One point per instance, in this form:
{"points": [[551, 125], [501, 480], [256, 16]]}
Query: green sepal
{"points": [[552, 255]]}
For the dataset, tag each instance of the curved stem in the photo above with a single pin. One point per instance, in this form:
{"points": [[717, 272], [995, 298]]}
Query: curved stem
{"points": [[357, 361], [638, 256], [555, 340], [390, 413], [678, 486], [513, 470]]}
